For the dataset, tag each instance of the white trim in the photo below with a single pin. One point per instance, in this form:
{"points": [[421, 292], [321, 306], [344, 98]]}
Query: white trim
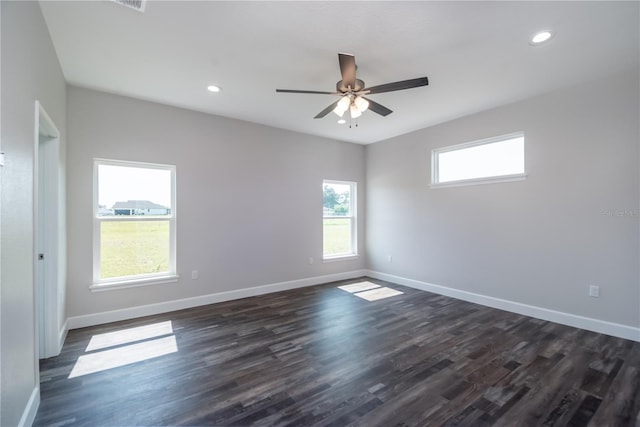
{"points": [[576, 321], [337, 181], [46, 239], [478, 181], [140, 218], [168, 306], [587, 323], [346, 257], [46, 126], [133, 283], [133, 164], [30, 411], [484, 141], [62, 335]]}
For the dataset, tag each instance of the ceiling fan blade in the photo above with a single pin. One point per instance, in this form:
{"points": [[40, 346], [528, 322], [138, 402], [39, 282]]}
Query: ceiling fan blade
{"points": [[378, 108], [404, 84], [327, 110], [347, 69], [307, 91]]}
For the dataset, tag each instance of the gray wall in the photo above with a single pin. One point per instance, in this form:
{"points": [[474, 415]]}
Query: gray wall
{"points": [[541, 241], [30, 71], [249, 197]]}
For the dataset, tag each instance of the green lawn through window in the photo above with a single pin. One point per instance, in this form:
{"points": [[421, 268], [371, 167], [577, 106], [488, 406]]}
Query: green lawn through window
{"points": [[336, 236], [129, 248]]}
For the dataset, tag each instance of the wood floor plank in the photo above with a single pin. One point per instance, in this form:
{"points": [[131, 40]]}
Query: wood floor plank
{"points": [[321, 356]]}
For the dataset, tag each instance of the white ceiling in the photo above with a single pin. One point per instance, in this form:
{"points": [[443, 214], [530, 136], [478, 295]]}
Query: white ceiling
{"points": [[476, 55]]}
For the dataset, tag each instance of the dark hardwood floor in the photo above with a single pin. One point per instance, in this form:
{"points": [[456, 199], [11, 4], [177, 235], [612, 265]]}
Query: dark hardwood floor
{"points": [[321, 356]]}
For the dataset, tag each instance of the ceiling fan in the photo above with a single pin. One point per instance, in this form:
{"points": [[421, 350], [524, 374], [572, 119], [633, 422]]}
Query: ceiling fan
{"points": [[352, 91]]}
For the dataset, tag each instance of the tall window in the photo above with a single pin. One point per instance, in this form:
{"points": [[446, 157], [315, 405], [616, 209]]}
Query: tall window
{"points": [[134, 222], [489, 160], [339, 219]]}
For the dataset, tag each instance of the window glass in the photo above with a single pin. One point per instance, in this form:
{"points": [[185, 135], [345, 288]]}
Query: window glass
{"points": [[129, 190], [339, 220], [492, 158], [134, 222]]}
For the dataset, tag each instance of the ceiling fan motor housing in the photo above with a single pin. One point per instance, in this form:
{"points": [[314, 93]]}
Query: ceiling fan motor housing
{"points": [[359, 85]]}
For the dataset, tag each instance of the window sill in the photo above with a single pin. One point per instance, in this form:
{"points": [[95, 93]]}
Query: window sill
{"points": [[348, 257], [133, 283], [478, 181]]}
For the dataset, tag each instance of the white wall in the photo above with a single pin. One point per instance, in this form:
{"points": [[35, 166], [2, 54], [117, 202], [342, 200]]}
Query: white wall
{"points": [[249, 197], [541, 241], [30, 72]]}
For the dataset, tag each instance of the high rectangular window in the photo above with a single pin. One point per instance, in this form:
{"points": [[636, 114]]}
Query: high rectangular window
{"points": [[488, 160], [134, 222], [338, 219]]}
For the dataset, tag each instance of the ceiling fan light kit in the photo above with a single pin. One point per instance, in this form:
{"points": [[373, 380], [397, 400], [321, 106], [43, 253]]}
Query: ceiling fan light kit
{"points": [[342, 105], [355, 113], [361, 103], [355, 104], [352, 91]]}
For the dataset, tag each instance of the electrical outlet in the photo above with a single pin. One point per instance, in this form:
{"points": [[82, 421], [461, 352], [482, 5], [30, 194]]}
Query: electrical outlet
{"points": [[194, 274], [594, 291], [310, 260], [389, 258]]}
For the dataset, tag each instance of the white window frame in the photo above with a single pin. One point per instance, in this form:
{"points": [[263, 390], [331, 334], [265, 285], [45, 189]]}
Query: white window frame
{"points": [[140, 279], [353, 204], [474, 181]]}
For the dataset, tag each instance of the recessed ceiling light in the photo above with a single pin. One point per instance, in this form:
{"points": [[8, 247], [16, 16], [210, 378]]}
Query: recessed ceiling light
{"points": [[541, 37], [213, 88], [342, 121]]}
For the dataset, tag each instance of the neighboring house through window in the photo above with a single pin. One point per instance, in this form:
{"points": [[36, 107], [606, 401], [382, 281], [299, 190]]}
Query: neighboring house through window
{"points": [[134, 223]]}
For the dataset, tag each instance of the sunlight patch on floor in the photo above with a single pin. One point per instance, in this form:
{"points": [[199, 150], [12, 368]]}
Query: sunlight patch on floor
{"points": [[376, 294], [370, 291], [121, 356], [125, 336], [358, 287], [124, 347]]}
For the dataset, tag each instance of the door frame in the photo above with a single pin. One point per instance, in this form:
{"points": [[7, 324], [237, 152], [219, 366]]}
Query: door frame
{"points": [[49, 291]]}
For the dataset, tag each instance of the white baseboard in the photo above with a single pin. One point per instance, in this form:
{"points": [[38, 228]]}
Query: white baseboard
{"points": [[165, 307], [62, 335], [587, 323], [590, 324], [30, 411]]}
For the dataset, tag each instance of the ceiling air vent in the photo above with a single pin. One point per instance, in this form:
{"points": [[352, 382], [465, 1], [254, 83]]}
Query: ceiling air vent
{"points": [[133, 4]]}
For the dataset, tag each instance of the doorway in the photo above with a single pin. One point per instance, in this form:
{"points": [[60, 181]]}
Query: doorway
{"points": [[49, 257]]}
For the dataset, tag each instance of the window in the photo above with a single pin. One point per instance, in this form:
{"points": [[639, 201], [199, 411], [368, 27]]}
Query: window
{"points": [[339, 220], [489, 160], [134, 224]]}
